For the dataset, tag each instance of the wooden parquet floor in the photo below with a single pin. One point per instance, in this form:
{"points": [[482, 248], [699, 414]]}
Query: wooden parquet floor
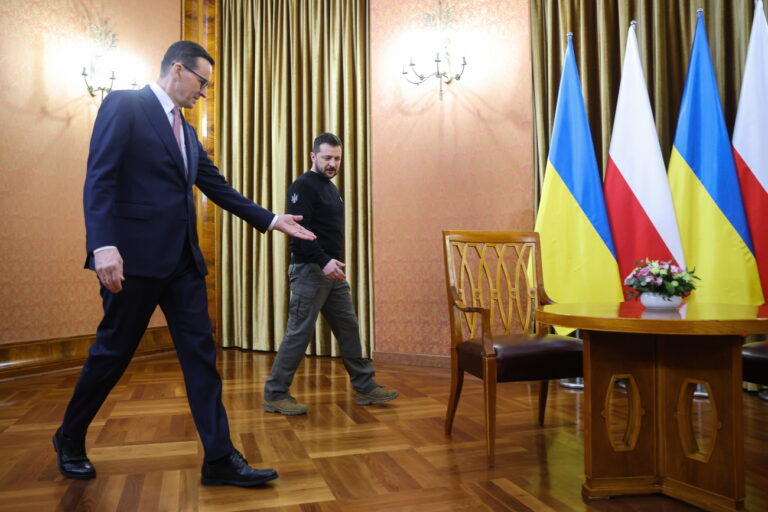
{"points": [[339, 457]]}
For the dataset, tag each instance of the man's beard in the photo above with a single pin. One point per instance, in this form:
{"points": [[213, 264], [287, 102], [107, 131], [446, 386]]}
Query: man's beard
{"points": [[323, 173]]}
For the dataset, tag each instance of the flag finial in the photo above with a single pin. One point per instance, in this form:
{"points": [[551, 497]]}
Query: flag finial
{"points": [[700, 10], [633, 23], [569, 35]]}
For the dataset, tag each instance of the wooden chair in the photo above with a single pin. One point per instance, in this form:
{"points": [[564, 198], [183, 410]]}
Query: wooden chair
{"points": [[494, 285]]}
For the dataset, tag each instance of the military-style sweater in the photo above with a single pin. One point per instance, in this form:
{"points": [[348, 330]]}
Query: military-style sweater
{"points": [[316, 198]]}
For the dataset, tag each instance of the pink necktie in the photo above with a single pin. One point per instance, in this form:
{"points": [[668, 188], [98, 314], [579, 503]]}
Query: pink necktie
{"points": [[177, 132]]}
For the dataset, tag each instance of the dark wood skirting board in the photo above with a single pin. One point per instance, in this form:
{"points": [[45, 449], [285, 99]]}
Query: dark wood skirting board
{"points": [[42, 356], [412, 359]]}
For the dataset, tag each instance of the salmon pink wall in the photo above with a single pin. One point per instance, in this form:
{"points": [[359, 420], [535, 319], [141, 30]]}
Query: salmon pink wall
{"points": [[463, 162], [46, 123]]}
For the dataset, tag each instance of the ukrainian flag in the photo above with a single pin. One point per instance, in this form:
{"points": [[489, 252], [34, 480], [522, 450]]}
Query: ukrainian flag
{"points": [[577, 249], [705, 191]]}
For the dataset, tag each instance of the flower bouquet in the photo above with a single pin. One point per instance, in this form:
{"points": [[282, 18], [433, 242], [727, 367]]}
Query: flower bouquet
{"points": [[659, 284]]}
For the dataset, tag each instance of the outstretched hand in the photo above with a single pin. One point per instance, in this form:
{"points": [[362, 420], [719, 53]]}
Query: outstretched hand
{"points": [[289, 224]]}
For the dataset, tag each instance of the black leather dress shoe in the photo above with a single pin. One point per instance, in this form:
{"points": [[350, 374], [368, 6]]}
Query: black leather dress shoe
{"points": [[234, 470], [73, 462]]}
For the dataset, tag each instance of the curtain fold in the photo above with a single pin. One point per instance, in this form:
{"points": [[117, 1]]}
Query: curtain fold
{"points": [[665, 35], [289, 71]]}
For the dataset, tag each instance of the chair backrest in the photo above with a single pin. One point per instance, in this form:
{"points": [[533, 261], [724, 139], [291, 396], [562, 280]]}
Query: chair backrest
{"points": [[495, 270]]}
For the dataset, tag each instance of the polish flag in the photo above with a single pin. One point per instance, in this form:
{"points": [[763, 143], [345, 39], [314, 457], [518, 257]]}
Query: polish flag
{"points": [[750, 146], [637, 193]]}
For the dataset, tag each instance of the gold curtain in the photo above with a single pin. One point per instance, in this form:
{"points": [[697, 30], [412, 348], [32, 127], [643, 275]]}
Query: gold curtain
{"points": [[289, 71], [665, 34]]}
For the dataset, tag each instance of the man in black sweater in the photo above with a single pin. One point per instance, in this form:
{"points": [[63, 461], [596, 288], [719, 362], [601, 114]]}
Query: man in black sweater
{"points": [[318, 283]]}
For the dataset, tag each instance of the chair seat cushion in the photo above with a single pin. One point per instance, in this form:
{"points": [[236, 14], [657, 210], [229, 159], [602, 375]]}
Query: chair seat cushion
{"points": [[521, 357], [754, 357]]}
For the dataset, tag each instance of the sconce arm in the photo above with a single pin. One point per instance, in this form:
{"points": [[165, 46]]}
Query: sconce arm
{"points": [[87, 85], [102, 89], [419, 77], [457, 76]]}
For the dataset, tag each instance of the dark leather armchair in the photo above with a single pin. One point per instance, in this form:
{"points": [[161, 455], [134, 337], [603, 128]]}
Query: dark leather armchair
{"points": [[494, 284], [754, 359]]}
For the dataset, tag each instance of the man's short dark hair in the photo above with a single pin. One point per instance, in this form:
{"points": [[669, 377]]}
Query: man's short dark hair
{"points": [[185, 52], [325, 138]]}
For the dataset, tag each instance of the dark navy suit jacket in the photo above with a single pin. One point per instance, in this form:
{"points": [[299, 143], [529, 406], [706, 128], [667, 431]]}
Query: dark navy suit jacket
{"points": [[136, 195]]}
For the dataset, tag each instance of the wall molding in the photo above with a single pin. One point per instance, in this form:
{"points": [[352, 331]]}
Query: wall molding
{"points": [[43, 356], [412, 359]]}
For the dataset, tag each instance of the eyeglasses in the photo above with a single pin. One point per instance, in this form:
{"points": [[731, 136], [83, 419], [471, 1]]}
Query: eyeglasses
{"points": [[200, 78]]}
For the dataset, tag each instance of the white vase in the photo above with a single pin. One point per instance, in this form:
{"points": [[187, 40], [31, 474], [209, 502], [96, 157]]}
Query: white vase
{"points": [[661, 314], [658, 301]]}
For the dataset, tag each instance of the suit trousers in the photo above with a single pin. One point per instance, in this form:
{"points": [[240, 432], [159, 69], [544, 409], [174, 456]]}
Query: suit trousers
{"points": [[182, 297], [311, 294]]}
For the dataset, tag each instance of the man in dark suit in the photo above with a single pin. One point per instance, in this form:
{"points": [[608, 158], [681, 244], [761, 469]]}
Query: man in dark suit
{"points": [[141, 240]]}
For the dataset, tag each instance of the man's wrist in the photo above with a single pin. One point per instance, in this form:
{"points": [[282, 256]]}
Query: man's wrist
{"points": [[272, 224], [103, 248]]}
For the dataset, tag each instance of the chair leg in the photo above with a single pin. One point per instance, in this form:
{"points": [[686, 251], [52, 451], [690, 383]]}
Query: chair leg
{"points": [[457, 380], [543, 391], [489, 392]]}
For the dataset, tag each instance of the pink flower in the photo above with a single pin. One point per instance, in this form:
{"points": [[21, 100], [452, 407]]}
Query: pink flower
{"points": [[659, 276]]}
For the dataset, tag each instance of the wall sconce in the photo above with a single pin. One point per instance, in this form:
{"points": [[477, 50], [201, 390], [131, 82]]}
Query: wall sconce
{"points": [[438, 27], [102, 60], [443, 77], [103, 89]]}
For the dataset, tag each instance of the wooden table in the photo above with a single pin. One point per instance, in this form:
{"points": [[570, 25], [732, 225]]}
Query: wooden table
{"points": [[644, 431]]}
